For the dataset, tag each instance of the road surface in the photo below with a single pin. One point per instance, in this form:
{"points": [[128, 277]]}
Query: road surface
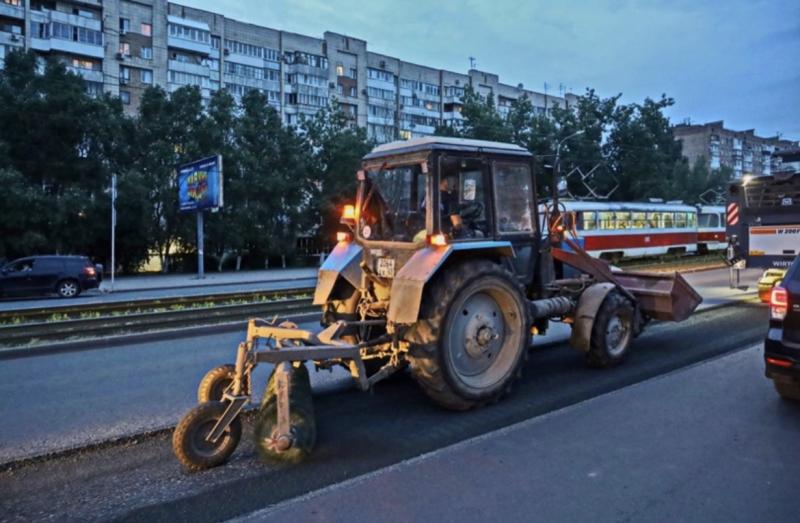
{"points": [[710, 443], [359, 433]]}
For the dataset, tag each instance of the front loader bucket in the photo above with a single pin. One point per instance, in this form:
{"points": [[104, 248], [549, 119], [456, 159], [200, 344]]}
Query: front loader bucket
{"points": [[666, 297]]}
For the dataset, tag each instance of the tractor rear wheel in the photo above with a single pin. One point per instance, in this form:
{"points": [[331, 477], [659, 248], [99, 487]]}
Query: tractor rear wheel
{"points": [[612, 332], [472, 336]]}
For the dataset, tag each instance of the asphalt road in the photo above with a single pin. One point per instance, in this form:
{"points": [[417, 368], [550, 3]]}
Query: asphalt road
{"points": [[72, 399], [67, 400], [665, 449], [358, 433]]}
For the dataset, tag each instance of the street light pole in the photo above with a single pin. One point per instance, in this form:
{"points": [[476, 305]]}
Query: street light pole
{"points": [[113, 228]]}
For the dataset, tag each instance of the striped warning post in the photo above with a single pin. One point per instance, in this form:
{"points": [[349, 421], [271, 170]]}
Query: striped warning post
{"points": [[732, 213]]}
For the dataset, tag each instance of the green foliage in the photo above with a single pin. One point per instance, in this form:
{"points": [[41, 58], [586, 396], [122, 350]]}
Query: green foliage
{"points": [[336, 147], [629, 146], [60, 147]]}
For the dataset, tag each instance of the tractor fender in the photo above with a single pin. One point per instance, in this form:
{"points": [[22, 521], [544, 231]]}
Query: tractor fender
{"points": [[588, 305], [342, 263], [409, 282]]}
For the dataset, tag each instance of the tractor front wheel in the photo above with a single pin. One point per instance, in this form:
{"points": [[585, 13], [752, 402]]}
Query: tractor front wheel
{"points": [[189, 439], [472, 336]]}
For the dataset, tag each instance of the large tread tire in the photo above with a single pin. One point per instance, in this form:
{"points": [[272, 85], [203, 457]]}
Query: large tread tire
{"points": [[615, 307], [215, 382], [788, 390], [187, 440], [430, 366]]}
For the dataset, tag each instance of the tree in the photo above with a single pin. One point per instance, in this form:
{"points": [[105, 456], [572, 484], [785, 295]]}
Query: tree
{"points": [[167, 131], [59, 147], [336, 147]]}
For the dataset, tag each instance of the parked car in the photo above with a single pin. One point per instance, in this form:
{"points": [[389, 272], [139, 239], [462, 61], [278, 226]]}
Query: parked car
{"points": [[782, 346], [67, 276]]}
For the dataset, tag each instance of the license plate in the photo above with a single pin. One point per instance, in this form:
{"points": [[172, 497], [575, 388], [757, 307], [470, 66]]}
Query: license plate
{"points": [[385, 267]]}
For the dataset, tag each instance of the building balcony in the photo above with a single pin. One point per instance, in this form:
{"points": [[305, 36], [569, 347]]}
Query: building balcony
{"points": [[421, 111], [67, 46], [75, 20], [12, 11], [189, 45], [90, 75], [187, 67], [377, 120], [252, 61], [382, 102], [12, 39]]}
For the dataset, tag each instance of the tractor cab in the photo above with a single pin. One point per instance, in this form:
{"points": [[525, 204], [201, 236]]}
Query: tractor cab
{"points": [[434, 192]]}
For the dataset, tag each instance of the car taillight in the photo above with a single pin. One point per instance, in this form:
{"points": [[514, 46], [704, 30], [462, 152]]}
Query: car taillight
{"points": [[778, 303], [89, 271]]}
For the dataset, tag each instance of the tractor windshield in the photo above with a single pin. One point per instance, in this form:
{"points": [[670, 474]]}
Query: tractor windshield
{"points": [[393, 204]]}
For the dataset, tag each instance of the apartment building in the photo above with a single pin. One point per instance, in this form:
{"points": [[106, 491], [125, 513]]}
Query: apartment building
{"points": [[742, 151], [125, 46]]}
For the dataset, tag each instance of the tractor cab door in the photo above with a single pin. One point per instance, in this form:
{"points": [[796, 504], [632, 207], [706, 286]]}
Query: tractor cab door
{"points": [[514, 200]]}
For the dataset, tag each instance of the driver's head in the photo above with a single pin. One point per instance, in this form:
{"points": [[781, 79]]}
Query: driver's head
{"points": [[447, 184]]}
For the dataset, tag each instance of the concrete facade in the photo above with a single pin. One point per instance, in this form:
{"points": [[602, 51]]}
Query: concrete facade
{"points": [[124, 46], [742, 151]]}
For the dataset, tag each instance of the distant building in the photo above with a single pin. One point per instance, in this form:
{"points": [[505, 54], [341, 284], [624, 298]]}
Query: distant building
{"points": [[742, 151], [787, 160], [124, 46]]}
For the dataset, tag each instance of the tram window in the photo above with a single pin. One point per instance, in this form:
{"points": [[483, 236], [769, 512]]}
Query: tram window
{"points": [[709, 220], [653, 220], [605, 220], [589, 220], [692, 220], [623, 220], [639, 220], [667, 220], [680, 220]]}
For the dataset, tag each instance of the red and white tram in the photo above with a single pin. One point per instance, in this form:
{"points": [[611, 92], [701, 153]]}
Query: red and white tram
{"points": [[617, 230], [711, 228]]}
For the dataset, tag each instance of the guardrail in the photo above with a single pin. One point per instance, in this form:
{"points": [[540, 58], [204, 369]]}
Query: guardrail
{"points": [[119, 318]]}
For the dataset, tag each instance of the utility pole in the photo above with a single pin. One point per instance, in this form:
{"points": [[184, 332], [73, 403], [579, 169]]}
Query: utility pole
{"points": [[113, 228]]}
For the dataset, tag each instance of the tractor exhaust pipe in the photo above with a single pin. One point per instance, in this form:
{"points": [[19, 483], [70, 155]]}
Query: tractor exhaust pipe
{"points": [[551, 307]]}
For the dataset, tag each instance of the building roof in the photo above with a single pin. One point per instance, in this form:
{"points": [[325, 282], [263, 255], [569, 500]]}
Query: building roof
{"points": [[430, 143]]}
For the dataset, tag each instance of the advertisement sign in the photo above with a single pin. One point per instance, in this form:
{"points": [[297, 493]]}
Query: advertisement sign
{"points": [[200, 184]]}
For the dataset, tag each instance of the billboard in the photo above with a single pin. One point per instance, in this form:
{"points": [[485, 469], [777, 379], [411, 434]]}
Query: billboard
{"points": [[200, 184]]}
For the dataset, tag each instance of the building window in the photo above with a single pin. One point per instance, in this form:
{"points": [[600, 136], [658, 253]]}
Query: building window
{"points": [[146, 76], [125, 96], [124, 48], [124, 25], [124, 74], [146, 53], [146, 29], [41, 30], [353, 72], [339, 70]]}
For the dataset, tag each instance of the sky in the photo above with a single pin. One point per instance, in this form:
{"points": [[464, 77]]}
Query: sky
{"points": [[731, 60]]}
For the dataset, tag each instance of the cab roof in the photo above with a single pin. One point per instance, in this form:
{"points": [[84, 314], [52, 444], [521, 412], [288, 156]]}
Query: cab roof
{"points": [[444, 143]]}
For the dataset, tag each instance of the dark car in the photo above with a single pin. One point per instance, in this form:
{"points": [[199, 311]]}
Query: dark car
{"points": [[66, 275], [782, 346]]}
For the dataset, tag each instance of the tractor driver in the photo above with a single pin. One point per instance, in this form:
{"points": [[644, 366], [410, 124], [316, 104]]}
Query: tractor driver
{"points": [[449, 207]]}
